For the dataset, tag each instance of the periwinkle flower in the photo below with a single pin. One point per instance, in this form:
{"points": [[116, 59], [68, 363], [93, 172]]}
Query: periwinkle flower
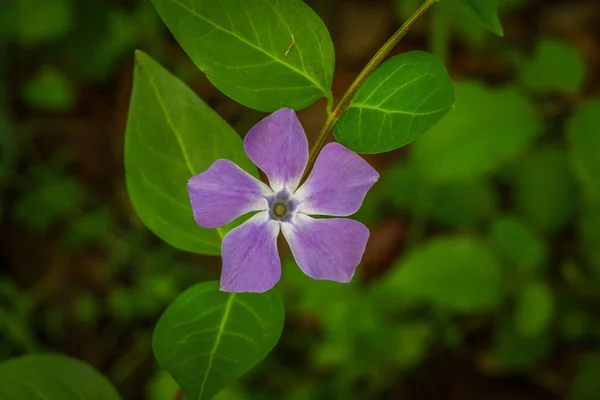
{"points": [[324, 248]]}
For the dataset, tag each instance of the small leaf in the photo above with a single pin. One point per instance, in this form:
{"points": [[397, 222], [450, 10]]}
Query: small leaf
{"points": [[584, 142], [486, 12], [545, 188], [206, 339], [263, 54], [517, 245], [405, 96], [555, 67], [39, 21], [513, 352], [589, 237], [171, 136], [476, 138], [458, 274], [49, 90], [52, 377], [586, 384], [535, 306]]}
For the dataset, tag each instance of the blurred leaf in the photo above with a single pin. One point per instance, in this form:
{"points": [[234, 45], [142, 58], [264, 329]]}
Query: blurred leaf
{"points": [[452, 273], [161, 386], [461, 204], [49, 90], [476, 138], [90, 228], [207, 338], [52, 377], [545, 188], [555, 66], [51, 197], [401, 100], [535, 307], [263, 75], [87, 308], [589, 234], [486, 12], [518, 246], [40, 21], [584, 142], [573, 323], [512, 352], [586, 385], [171, 136], [410, 343]]}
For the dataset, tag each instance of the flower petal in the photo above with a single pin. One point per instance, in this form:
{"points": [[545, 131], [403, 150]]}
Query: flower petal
{"points": [[224, 192], [326, 248], [278, 146], [250, 259], [338, 183]]}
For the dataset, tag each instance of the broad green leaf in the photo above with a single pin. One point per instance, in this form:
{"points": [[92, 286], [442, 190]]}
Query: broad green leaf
{"points": [[517, 245], [454, 273], [486, 12], [545, 188], [535, 306], [405, 96], [263, 54], [206, 339], [171, 136], [513, 352], [49, 90], [476, 138], [52, 377], [586, 384], [584, 142], [555, 67]]}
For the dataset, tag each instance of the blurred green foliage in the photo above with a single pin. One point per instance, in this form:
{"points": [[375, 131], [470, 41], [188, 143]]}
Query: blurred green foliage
{"points": [[500, 204]]}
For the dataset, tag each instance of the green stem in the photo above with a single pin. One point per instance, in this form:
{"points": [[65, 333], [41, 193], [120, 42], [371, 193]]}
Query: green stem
{"points": [[381, 54]]}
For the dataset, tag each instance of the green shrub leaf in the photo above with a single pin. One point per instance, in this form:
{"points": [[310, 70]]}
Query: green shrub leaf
{"points": [[207, 338], [171, 136], [262, 54], [52, 377], [405, 96]]}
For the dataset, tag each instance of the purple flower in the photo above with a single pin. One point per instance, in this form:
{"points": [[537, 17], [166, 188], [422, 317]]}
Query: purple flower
{"points": [[324, 248]]}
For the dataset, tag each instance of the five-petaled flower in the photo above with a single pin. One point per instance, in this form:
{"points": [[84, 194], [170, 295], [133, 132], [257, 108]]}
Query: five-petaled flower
{"points": [[324, 248]]}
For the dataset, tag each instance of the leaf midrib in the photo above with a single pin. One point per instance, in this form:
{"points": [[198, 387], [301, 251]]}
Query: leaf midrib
{"points": [[243, 40], [211, 357], [387, 111], [174, 129]]}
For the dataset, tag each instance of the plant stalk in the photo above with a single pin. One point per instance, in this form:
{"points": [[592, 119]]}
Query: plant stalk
{"points": [[381, 54]]}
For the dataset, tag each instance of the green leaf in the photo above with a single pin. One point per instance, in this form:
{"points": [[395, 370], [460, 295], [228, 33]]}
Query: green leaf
{"points": [[517, 245], [263, 54], [207, 338], [535, 306], [460, 204], [455, 273], [405, 96], [486, 12], [39, 21], [50, 90], [589, 237], [52, 377], [476, 138], [586, 384], [584, 142], [545, 188], [555, 67], [513, 352], [171, 136]]}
